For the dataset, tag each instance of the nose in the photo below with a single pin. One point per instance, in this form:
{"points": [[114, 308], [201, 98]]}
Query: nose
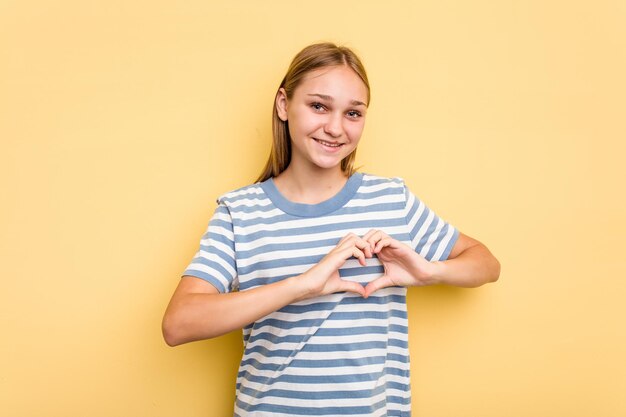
{"points": [[333, 125]]}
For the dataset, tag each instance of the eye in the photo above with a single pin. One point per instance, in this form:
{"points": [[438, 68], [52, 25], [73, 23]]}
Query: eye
{"points": [[318, 107], [353, 114]]}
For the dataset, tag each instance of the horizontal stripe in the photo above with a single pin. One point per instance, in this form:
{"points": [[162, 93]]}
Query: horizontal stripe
{"points": [[316, 348], [334, 236], [390, 386], [314, 395], [340, 220], [341, 313], [352, 340], [348, 226], [266, 331], [252, 217], [387, 368], [278, 334], [310, 411], [336, 320], [289, 341], [310, 381], [376, 302], [327, 351]]}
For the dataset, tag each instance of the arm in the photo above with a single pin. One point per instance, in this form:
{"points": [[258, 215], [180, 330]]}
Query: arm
{"points": [[198, 311], [470, 264]]}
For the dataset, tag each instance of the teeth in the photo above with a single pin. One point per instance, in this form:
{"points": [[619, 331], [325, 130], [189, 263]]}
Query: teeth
{"points": [[332, 145]]}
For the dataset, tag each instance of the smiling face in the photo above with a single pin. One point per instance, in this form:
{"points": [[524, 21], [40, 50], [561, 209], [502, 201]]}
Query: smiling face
{"points": [[325, 115]]}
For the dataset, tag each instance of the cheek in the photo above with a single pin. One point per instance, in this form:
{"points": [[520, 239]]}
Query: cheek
{"points": [[304, 123], [354, 130], [296, 126]]}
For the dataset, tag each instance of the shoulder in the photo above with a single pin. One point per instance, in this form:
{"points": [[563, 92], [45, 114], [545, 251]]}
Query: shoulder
{"points": [[242, 195], [378, 183], [375, 188]]}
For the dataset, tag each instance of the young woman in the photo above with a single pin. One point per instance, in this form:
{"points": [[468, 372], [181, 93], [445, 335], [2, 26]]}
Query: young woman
{"points": [[313, 260]]}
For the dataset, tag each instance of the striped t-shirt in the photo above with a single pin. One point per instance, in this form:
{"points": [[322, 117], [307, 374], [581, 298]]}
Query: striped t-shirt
{"points": [[334, 355]]}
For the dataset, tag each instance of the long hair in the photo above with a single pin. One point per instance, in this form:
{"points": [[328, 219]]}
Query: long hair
{"points": [[309, 59]]}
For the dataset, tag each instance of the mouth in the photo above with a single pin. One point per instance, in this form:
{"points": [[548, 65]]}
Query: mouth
{"points": [[326, 144]]}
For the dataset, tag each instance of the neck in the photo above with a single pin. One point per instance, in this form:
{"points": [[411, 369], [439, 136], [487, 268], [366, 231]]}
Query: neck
{"points": [[310, 186]]}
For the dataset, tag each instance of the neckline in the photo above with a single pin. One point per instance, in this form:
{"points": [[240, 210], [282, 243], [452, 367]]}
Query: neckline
{"points": [[313, 210]]}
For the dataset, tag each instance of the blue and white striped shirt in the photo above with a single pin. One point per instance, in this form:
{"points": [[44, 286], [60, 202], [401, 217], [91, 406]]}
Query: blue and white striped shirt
{"points": [[334, 355]]}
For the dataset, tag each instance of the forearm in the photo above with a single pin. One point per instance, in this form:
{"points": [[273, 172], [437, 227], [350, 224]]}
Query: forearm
{"points": [[198, 316], [473, 267], [199, 312]]}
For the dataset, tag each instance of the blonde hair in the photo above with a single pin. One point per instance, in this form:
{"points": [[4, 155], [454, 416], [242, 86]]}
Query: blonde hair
{"points": [[311, 58]]}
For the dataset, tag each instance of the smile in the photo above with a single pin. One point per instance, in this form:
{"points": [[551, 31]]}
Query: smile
{"points": [[329, 144]]}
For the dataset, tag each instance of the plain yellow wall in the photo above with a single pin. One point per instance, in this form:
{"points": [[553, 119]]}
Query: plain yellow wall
{"points": [[122, 121]]}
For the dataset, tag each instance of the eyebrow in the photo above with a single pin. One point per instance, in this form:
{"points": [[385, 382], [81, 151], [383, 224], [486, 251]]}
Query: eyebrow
{"points": [[329, 98]]}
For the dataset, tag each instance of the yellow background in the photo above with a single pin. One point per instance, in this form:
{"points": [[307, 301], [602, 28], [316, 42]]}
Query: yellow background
{"points": [[121, 122]]}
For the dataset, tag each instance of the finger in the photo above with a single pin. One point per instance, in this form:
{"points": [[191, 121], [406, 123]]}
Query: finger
{"points": [[345, 245], [384, 242], [377, 284], [365, 246], [371, 238], [345, 252], [376, 238], [347, 237], [359, 255], [353, 240], [351, 286], [390, 242], [369, 234]]}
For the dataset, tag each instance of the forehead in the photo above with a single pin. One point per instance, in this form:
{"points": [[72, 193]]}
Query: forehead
{"points": [[338, 82]]}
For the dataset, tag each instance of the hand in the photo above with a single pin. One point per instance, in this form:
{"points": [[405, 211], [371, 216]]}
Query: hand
{"points": [[403, 266], [324, 278]]}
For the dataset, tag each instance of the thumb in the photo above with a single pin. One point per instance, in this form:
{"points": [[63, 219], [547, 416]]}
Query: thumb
{"points": [[351, 286], [377, 284]]}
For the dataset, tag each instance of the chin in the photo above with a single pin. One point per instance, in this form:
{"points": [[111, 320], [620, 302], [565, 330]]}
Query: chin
{"points": [[328, 164]]}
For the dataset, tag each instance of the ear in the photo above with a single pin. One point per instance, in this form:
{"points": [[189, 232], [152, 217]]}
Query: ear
{"points": [[281, 104]]}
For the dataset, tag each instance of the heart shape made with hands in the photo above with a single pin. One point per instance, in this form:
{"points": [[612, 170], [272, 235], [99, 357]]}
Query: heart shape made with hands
{"points": [[402, 265]]}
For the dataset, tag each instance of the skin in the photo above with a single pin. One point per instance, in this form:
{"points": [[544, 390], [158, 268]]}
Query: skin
{"points": [[326, 116]]}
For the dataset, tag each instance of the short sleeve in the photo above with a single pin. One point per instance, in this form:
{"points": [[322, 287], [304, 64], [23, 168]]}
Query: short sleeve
{"points": [[431, 236], [215, 260]]}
